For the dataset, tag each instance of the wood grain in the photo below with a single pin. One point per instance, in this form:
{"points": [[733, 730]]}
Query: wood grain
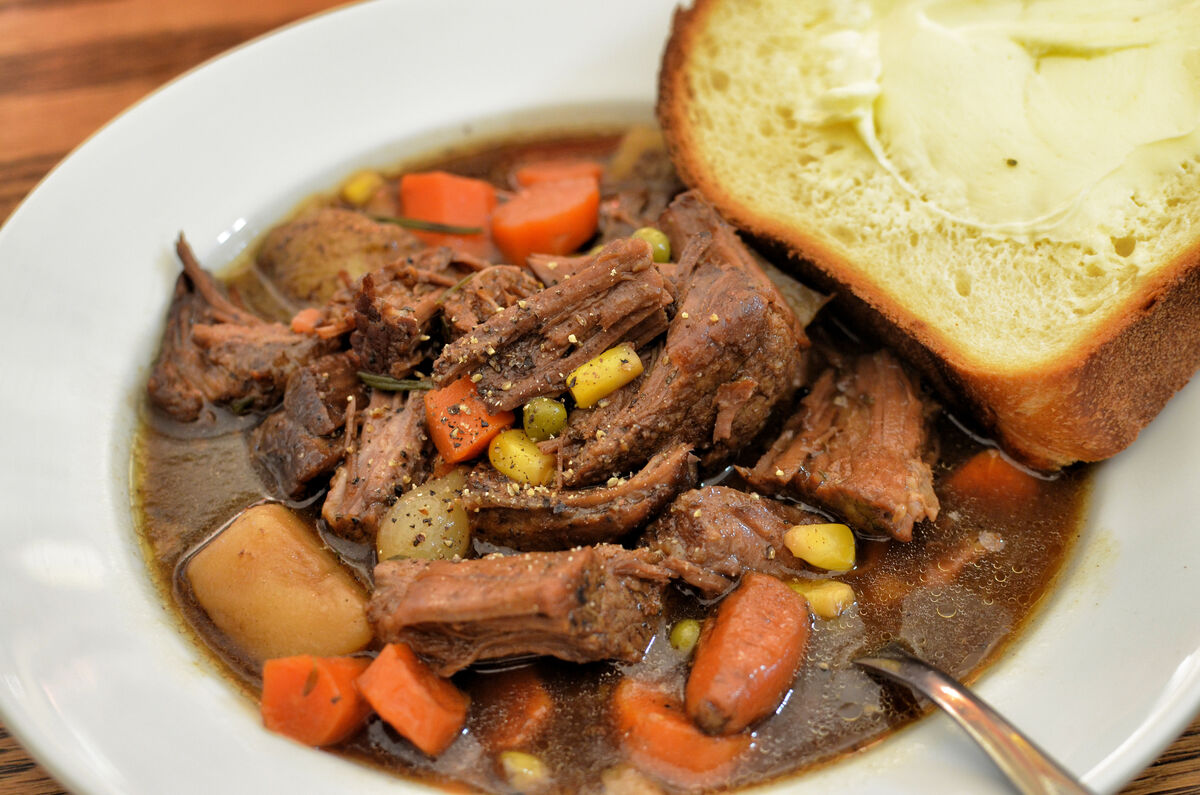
{"points": [[68, 66]]}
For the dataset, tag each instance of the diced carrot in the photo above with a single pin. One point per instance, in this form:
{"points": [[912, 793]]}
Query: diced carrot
{"points": [[547, 218], [988, 476], [306, 320], [450, 199], [554, 170], [459, 423], [428, 710], [747, 655], [658, 739], [440, 467], [511, 709], [314, 699]]}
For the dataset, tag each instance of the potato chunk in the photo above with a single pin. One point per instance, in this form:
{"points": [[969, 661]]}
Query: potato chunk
{"points": [[268, 583], [427, 522], [305, 257]]}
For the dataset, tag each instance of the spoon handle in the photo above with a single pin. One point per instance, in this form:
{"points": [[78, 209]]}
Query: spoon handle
{"points": [[1028, 767]]}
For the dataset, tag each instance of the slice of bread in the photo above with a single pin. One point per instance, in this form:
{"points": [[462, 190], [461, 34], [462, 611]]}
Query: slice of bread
{"points": [[1025, 230]]}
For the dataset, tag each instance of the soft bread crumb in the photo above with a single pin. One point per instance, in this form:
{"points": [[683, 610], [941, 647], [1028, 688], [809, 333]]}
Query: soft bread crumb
{"points": [[1004, 304]]}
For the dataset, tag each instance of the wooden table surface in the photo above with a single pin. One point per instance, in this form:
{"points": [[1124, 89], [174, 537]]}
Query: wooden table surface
{"points": [[68, 66]]}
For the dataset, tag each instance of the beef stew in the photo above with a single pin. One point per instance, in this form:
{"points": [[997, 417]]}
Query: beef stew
{"points": [[314, 378]]}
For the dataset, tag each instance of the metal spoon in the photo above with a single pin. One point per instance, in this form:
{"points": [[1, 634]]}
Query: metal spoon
{"points": [[1028, 767]]}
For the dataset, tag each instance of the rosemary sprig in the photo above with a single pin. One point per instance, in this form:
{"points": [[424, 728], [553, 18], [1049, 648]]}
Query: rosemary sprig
{"points": [[428, 226], [242, 405], [449, 291], [389, 384]]}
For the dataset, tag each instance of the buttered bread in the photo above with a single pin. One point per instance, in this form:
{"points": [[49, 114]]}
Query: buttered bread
{"points": [[1009, 192]]}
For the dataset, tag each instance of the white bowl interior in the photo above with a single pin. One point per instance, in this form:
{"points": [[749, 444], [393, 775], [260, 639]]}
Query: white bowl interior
{"points": [[96, 678]]}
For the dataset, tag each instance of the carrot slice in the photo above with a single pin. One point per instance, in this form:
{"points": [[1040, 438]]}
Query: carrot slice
{"points": [[449, 199], [428, 710], [747, 655], [554, 170], [658, 739], [459, 423], [988, 476], [547, 218], [306, 320], [512, 709], [313, 699]]}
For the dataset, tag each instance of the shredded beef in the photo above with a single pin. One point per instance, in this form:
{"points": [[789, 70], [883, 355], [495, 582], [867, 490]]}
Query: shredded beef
{"points": [[690, 218], [586, 604], [639, 197], [551, 269], [302, 441], [214, 351], [390, 454], [394, 307], [338, 315], [528, 349], [733, 353], [856, 448], [540, 517], [711, 536], [484, 294]]}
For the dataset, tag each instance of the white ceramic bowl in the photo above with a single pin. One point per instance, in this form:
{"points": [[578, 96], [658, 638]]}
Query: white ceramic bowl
{"points": [[96, 679]]}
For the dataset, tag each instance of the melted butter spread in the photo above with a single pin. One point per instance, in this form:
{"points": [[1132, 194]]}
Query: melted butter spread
{"points": [[1042, 118]]}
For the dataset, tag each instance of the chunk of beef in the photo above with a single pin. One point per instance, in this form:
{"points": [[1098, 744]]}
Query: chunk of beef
{"points": [[585, 604], [395, 305], [547, 518], [528, 349], [390, 454], [213, 351], [733, 352], [292, 456], [303, 440], [856, 448], [630, 209], [552, 269], [691, 218], [484, 294], [303, 257], [709, 537]]}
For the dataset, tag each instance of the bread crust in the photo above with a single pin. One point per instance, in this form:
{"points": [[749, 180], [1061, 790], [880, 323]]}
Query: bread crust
{"points": [[1086, 405]]}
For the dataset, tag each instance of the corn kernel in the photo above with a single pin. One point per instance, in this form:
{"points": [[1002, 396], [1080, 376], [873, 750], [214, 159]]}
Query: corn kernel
{"points": [[599, 377], [525, 772], [514, 454], [359, 189], [826, 546], [684, 635], [826, 598]]}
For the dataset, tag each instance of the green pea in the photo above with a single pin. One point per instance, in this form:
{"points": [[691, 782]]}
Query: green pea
{"points": [[545, 418], [658, 241]]}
